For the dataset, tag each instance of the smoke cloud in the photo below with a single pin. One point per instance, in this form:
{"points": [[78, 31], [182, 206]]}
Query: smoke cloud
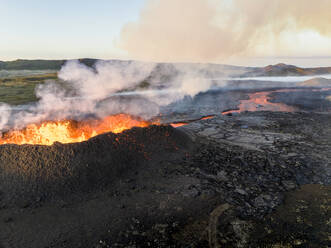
{"points": [[110, 87], [82, 93], [214, 30]]}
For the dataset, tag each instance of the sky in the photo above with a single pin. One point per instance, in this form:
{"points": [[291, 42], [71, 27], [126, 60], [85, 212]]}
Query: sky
{"points": [[63, 28], [241, 32]]}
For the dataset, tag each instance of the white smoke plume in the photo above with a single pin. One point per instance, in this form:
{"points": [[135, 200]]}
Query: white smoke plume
{"points": [[81, 94], [5, 111], [214, 30], [110, 87]]}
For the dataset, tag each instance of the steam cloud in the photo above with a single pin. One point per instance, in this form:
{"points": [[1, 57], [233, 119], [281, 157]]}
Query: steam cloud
{"points": [[81, 94], [213, 30], [96, 92]]}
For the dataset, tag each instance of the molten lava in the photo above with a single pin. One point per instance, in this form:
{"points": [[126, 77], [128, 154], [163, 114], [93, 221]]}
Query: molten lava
{"points": [[70, 131], [260, 101], [180, 124]]}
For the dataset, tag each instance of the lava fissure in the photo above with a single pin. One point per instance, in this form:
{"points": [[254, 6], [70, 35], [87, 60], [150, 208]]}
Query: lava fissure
{"points": [[71, 131], [183, 123]]}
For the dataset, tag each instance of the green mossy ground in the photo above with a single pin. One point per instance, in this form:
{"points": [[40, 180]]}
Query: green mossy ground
{"points": [[21, 90]]}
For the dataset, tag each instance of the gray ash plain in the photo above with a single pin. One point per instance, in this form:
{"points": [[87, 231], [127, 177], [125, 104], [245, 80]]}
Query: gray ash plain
{"points": [[253, 179]]}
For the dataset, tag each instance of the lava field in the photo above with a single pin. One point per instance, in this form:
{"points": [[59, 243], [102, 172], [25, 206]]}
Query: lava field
{"points": [[219, 176]]}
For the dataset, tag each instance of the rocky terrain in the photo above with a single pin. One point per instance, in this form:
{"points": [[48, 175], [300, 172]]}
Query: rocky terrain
{"points": [[312, 100], [249, 179], [259, 179]]}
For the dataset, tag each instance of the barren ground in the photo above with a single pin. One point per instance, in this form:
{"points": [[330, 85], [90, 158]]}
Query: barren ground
{"points": [[247, 180]]}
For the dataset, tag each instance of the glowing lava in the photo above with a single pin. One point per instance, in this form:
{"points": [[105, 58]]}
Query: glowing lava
{"points": [[180, 124], [259, 101], [69, 131]]}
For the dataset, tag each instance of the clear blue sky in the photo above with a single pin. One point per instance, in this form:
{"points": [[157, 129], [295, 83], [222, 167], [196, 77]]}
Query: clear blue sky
{"points": [[63, 28]]}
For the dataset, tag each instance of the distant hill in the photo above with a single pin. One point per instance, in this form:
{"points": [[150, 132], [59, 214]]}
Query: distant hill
{"points": [[22, 64], [161, 72], [288, 70], [164, 70], [317, 82]]}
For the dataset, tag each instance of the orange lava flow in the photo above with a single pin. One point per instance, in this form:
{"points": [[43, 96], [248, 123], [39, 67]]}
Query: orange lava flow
{"points": [[259, 101], [70, 131], [207, 117], [180, 124]]}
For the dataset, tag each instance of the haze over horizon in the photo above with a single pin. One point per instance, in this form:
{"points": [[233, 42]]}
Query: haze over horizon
{"points": [[218, 31]]}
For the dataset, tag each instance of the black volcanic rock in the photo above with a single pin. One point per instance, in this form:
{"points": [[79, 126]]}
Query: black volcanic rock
{"points": [[306, 99], [36, 171], [211, 183]]}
